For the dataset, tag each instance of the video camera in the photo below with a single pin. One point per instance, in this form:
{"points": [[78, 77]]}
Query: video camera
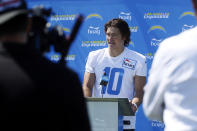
{"points": [[42, 35]]}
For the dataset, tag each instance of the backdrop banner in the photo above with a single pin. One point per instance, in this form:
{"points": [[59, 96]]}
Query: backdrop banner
{"points": [[150, 22]]}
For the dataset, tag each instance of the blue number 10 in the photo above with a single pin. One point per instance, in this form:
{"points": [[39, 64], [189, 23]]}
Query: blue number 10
{"points": [[111, 74]]}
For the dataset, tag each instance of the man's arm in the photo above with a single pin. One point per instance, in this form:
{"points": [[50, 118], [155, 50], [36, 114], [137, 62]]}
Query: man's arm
{"points": [[139, 83], [88, 83]]}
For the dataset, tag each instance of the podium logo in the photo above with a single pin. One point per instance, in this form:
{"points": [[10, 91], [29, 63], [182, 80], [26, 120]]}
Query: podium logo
{"points": [[94, 16], [187, 14], [94, 30], [156, 15], [125, 16], [155, 42], [187, 27], [157, 27]]}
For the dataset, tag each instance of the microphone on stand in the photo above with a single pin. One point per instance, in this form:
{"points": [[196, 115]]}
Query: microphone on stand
{"points": [[103, 83]]}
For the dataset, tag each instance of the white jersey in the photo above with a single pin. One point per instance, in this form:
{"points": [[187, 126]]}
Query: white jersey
{"points": [[120, 71]]}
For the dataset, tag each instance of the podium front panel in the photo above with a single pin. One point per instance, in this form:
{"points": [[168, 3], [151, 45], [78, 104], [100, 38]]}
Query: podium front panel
{"points": [[103, 115]]}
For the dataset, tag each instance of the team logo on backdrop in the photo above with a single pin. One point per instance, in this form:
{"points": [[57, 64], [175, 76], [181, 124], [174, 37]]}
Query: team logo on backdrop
{"points": [[63, 17], [70, 57], [187, 27], [133, 28], [131, 43], [55, 57], [58, 57], [157, 27], [94, 43], [155, 42], [149, 56], [125, 15], [66, 29], [94, 30], [97, 16], [187, 14], [129, 63], [163, 15]]}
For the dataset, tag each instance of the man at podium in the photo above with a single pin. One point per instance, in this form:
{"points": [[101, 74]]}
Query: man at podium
{"points": [[116, 71]]}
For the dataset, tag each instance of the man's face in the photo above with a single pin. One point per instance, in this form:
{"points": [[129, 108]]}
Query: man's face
{"points": [[114, 37]]}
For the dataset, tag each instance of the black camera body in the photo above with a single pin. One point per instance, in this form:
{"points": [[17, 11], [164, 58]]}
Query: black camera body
{"points": [[42, 35]]}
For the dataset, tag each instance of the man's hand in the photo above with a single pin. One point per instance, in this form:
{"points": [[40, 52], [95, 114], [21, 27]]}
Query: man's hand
{"points": [[134, 107]]}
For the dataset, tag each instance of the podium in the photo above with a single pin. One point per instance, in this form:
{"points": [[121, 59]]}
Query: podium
{"points": [[106, 114]]}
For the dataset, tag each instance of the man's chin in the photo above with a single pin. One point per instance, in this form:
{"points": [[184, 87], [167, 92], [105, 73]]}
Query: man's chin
{"points": [[111, 45]]}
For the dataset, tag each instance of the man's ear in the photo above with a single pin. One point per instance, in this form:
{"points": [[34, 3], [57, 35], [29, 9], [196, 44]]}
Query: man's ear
{"points": [[124, 37]]}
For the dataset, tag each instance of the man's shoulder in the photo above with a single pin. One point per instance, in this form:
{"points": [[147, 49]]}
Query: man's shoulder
{"points": [[135, 54], [98, 52]]}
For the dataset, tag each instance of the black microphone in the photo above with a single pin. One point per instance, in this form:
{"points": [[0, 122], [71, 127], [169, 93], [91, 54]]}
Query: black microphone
{"points": [[103, 83]]}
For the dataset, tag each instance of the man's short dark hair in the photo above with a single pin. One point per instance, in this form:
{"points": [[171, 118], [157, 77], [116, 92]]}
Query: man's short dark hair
{"points": [[122, 26]]}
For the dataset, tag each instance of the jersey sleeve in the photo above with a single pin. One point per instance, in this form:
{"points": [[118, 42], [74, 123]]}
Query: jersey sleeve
{"points": [[142, 68], [91, 62]]}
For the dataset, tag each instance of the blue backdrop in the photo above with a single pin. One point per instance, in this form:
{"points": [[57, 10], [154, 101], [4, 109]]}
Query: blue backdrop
{"points": [[150, 21]]}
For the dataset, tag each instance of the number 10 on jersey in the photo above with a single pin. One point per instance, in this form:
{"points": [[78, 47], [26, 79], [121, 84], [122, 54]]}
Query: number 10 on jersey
{"points": [[111, 73]]}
